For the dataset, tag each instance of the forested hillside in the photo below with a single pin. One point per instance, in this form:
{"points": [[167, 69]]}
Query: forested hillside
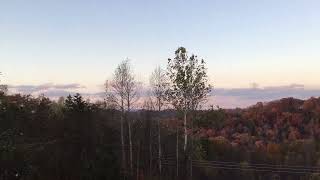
{"points": [[283, 121], [75, 139]]}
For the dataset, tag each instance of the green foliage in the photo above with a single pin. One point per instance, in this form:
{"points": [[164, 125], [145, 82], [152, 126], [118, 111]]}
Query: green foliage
{"points": [[198, 151], [189, 81], [211, 119], [41, 139]]}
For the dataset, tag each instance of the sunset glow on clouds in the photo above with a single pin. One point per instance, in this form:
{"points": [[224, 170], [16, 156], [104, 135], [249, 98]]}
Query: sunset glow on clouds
{"points": [[222, 97]]}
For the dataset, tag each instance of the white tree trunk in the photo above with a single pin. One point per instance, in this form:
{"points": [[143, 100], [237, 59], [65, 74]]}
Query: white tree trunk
{"points": [[150, 150], [122, 141], [130, 145], [159, 139], [185, 130], [138, 162], [191, 151], [159, 145], [177, 154], [129, 132]]}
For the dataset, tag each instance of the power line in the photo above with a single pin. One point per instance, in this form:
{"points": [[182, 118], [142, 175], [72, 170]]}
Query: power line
{"points": [[247, 167], [263, 165]]}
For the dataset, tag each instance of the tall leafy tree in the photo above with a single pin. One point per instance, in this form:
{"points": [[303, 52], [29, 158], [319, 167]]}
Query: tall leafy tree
{"points": [[189, 84]]}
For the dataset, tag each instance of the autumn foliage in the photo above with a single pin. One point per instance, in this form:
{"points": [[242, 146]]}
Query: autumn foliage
{"points": [[262, 125]]}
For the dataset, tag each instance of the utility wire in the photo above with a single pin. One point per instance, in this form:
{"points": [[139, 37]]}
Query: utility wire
{"points": [[248, 167]]}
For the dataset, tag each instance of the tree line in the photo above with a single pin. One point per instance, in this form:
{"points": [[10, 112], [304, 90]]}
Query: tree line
{"points": [[168, 137]]}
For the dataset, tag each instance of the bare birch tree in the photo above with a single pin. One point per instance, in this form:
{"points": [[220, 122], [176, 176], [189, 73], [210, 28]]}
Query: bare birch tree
{"points": [[148, 104], [159, 85], [123, 95], [117, 96], [131, 96], [110, 101]]}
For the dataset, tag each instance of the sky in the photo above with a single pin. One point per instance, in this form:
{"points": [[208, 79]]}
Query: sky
{"points": [[76, 44]]}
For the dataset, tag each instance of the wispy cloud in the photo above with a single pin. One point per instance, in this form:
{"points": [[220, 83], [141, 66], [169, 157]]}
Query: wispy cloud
{"points": [[47, 89], [243, 97]]}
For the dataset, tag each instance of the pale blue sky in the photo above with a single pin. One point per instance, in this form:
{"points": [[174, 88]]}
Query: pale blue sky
{"points": [[270, 42]]}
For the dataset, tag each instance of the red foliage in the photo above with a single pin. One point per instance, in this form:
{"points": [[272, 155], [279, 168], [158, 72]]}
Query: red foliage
{"points": [[266, 124]]}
